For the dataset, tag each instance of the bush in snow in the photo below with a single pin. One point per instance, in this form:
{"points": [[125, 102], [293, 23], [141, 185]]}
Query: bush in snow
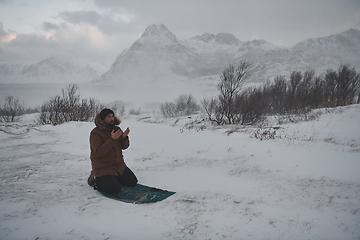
{"points": [[297, 95], [232, 105], [68, 107], [305, 91], [183, 106], [12, 109]]}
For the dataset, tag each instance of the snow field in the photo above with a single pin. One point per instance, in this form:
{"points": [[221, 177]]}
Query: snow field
{"points": [[303, 184]]}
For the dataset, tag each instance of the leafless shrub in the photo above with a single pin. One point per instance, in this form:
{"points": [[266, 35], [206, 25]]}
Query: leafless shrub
{"points": [[68, 107], [183, 106], [230, 106], [12, 109]]}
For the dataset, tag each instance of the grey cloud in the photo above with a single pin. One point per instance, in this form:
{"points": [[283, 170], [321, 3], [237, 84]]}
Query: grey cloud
{"points": [[109, 3], [107, 23], [278, 21], [48, 26], [281, 22], [3, 33], [78, 17], [29, 47], [32, 40]]}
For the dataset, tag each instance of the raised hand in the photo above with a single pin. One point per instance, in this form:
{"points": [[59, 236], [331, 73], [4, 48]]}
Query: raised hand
{"points": [[126, 133], [117, 134]]}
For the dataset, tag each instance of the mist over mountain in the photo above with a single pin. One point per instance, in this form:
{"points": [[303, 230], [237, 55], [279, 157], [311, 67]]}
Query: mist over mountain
{"points": [[158, 56], [60, 68]]}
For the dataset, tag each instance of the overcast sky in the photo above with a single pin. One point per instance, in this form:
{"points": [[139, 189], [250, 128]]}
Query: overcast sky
{"points": [[99, 30]]}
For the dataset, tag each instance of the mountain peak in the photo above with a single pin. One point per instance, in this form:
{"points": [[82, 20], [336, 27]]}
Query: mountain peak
{"points": [[352, 32], [158, 31], [221, 38], [349, 39], [206, 37], [227, 38]]}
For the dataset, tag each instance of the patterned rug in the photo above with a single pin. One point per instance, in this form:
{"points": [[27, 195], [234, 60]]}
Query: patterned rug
{"points": [[139, 194]]}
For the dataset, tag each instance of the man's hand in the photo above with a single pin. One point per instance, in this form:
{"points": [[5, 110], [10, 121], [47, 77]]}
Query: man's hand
{"points": [[118, 133], [126, 133]]}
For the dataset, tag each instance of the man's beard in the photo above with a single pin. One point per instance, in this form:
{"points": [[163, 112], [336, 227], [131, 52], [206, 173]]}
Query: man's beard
{"points": [[111, 124]]}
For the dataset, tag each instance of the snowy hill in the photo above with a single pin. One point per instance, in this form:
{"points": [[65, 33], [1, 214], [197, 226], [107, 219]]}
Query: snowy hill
{"points": [[160, 55], [303, 184], [60, 68]]}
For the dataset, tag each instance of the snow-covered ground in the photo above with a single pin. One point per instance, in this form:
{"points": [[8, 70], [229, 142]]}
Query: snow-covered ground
{"points": [[303, 184]]}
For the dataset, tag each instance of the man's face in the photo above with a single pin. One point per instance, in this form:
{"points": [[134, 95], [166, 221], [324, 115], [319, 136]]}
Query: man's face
{"points": [[109, 119]]}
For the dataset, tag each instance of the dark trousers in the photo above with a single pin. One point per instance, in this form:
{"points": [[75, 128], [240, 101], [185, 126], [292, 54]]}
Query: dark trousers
{"points": [[112, 184]]}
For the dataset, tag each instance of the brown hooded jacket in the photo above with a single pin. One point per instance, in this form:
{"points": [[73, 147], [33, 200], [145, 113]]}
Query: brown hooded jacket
{"points": [[106, 153]]}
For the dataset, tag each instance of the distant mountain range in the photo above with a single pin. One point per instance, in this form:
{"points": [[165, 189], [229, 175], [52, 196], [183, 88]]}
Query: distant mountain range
{"points": [[60, 68], [159, 56]]}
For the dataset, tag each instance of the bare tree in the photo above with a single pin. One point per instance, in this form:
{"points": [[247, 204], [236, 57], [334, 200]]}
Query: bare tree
{"points": [[231, 83], [275, 95], [68, 107], [12, 109], [70, 102], [295, 79], [213, 110], [330, 82], [251, 106], [184, 105], [347, 85]]}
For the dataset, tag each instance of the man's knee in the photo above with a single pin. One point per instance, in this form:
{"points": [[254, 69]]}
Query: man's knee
{"points": [[128, 178], [108, 184]]}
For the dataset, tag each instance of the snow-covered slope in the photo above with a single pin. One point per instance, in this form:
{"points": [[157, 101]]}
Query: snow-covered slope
{"points": [[329, 52], [303, 184], [60, 68], [160, 55]]}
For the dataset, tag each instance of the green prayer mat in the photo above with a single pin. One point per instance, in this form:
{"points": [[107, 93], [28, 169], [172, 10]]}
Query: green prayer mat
{"points": [[139, 194]]}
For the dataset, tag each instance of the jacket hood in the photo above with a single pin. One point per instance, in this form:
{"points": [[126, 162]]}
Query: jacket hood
{"points": [[102, 125]]}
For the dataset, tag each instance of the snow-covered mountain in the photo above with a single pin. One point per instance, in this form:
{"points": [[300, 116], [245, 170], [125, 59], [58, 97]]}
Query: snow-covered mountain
{"points": [[157, 55], [160, 56], [319, 54], [60, 68]]}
